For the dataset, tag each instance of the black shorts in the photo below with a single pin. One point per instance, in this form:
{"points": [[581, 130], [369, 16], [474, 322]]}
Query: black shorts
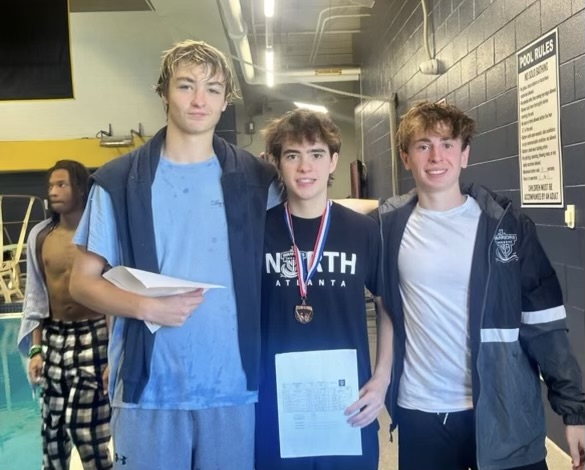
{"points": [[440, 441]]}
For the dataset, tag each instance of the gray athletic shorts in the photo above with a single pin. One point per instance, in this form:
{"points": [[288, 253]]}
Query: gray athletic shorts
{"points": [[210, 439]]}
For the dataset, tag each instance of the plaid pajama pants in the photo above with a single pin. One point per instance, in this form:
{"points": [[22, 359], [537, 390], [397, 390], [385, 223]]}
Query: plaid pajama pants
{"points": [[75, 408]]}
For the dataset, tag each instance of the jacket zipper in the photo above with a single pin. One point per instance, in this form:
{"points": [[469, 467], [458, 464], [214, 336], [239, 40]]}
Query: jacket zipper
{"points": [[482, 314]]}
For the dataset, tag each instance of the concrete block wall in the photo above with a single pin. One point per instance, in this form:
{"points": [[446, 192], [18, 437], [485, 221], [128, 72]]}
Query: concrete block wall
{"points": [[476, 42]]}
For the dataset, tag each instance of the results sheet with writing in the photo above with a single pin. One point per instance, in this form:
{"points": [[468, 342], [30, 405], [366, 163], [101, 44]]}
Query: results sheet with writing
{"points": [[313, 390]]}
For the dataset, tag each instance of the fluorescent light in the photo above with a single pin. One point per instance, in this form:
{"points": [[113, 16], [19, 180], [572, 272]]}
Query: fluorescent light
{"points": [[311, 107], [269, 8], [269, 61], [269, 66]]}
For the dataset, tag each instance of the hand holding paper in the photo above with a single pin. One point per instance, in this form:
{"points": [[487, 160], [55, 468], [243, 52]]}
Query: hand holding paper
{"points": [[368, 407], [172, 310], [175, 298]]}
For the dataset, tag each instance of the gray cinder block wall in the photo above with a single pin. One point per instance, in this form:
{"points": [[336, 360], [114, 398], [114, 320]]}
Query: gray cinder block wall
{"points": [[476, 42]]}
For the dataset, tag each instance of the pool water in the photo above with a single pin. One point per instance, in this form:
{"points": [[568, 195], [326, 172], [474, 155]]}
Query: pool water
{"points": [[20, 426]]}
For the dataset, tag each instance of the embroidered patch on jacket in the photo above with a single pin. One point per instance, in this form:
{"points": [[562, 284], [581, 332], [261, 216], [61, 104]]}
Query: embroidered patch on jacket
{"points": [[505, 246]]}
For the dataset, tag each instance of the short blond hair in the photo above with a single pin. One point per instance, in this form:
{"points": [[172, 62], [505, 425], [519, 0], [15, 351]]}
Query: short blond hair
{"points": [[428, 117], [192, 52]]}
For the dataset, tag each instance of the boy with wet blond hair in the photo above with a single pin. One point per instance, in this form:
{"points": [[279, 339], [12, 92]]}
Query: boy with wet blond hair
{"points": [[190, 205], [196, 53]]}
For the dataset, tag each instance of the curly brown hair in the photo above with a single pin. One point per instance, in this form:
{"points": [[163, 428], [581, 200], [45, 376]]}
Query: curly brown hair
{"points": [[299, 125], [427, 117], [196, 53]]}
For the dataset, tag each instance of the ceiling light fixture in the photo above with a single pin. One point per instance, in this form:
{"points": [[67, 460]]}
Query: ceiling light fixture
{"points": [[311, 107], [269, 8], [269, 65]]}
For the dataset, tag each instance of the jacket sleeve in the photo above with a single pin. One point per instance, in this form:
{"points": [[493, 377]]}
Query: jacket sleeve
{"points": [[543, 329], [36, 298]]}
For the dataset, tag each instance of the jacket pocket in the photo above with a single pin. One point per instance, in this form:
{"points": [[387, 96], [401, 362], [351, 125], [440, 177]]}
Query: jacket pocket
{"points": [[509, 411]]}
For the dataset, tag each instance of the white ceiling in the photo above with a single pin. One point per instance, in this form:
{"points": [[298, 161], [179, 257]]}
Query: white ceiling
{"points": [[195, 19]]}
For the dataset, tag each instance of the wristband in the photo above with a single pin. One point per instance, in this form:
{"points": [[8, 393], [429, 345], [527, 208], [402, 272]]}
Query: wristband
{"points": [[34, 350]]}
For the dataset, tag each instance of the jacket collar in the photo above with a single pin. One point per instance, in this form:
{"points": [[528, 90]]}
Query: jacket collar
{"points": [[491, 203]]}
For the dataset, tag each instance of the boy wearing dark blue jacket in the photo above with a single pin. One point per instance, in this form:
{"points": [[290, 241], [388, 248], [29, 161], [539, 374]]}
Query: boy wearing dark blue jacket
{"points": [[478, 315]]}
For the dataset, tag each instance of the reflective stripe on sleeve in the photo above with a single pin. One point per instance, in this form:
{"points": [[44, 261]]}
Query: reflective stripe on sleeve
{"points": [[544, 316], [499, 335]]}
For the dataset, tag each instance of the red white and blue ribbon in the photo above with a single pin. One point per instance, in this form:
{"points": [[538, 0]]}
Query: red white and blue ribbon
{"points": [[305, 272]]}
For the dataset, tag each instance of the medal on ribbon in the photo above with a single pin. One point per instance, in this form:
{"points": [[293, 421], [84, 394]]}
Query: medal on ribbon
{"points": [[304, 312]]}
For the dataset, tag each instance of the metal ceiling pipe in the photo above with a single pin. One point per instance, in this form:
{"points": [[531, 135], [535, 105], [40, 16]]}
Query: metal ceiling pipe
{"points": [[330, 32], [321, 13], [350, 74], [355, 4], [238, 34], [315, 50]]}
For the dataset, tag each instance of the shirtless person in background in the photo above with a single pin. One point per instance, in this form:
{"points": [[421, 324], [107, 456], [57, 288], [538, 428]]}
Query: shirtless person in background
{"points": [[66, 342]]}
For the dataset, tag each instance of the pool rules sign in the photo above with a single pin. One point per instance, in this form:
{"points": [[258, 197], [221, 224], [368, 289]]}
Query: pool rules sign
{"points": [[539, 138]]}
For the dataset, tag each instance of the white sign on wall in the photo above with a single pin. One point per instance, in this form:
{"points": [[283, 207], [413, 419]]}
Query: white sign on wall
{"points": [[539, 140]]}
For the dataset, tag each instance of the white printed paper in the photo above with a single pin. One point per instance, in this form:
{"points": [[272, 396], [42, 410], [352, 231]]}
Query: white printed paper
{"points": [[152, 285], [313, 390]]}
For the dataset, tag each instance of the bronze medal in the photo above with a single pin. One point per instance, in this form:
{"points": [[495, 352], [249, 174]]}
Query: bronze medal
{"points": [[303, 313]]}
